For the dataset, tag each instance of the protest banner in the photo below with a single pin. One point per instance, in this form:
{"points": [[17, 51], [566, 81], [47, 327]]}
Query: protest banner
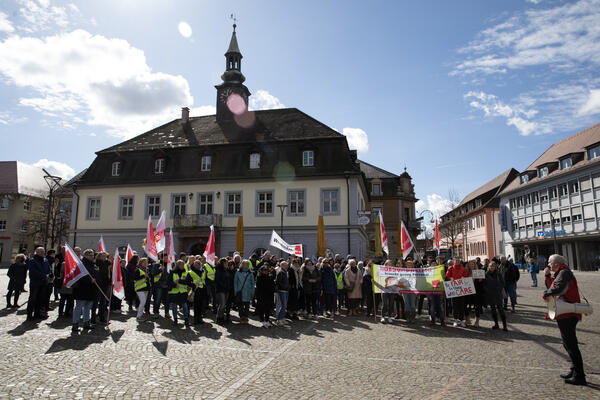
{"points": [[426, 281], [459, 287], [478, 274], [279, 243]]}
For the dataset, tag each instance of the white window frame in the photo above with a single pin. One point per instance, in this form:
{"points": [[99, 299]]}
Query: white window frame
{"points": [[4, 204], [96, 206], [206, 163], [27, 205], [308, 158], [115, 168], [293, 198], [122, 206], [326, 197], [542, 172], [264, 202], [234, 203], [524, 179], [159, 166], [378, 191], [254, 160], [148, 205], [2, 224], [205, 200], [593, 152], [178, 208], [566, 163]]}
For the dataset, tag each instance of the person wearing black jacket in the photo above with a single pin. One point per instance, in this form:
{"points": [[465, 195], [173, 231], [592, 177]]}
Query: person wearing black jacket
{"points": [[294, 293], [510, 273], [222, 288], [39, 275], [265, 290], [17, 273], [103, 272], [84, 293], [282, 284]]}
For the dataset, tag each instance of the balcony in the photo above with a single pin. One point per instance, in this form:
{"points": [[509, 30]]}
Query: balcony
{"points": [[193, 221]]}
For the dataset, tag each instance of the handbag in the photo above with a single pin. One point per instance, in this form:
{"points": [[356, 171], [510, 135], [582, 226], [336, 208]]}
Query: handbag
{"points": [[238, 295]]}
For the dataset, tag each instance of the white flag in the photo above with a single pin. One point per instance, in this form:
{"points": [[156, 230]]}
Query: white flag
{"points": [[160, 231], [117, 279], [279, 243]]}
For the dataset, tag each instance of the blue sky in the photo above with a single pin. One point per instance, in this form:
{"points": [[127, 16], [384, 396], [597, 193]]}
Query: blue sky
{"points": [[458, 91]]}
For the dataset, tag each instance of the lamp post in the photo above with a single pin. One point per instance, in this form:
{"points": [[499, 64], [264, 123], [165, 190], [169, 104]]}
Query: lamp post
{"points": [[53, 182], [282, 208], [553, 230]]}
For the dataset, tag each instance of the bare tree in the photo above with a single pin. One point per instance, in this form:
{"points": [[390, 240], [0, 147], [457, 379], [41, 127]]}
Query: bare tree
{"points": [[451, 226]]}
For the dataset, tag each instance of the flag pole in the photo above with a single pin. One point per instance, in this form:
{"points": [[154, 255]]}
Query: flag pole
{"points": [[374, 307], [96, 283], [112, 287]]}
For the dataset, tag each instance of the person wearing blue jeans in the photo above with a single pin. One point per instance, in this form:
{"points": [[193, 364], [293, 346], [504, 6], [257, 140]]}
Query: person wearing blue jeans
{"points": [[533, 270], [83, 308], [282, 285], [436, 308], [511, 291], [84, 293]]}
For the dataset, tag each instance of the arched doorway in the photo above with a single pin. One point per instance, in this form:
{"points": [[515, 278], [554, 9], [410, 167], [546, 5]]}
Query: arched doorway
{"points": [[197, 248]]}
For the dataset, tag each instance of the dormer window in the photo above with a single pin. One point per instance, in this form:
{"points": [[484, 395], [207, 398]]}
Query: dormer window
{"points": [[377, 189], [524, 179], [594, 152], [159, 166], [308, 158], [206, 163], [542, 172], [566, 163], [254, 160], [116, 168]]}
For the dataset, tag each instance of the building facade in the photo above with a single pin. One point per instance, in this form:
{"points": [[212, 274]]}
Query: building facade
{"points": [[554, 205], [473, 229], [277, 169]]}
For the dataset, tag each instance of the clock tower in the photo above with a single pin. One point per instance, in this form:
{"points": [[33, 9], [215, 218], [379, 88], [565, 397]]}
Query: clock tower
{"points": [[232, 94]]}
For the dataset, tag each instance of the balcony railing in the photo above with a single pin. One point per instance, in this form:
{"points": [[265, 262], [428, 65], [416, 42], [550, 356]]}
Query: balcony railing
{"points": [[191, 221]]}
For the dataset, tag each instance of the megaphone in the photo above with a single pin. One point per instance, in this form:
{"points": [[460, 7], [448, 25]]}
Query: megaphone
{"points": [[557, 307]]}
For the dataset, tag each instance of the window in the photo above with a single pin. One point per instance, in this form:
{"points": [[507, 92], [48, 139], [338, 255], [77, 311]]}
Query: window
{"points": [[205, 203], [553, 192], [478, 223], [254, 161], [2, 224], [573, 187], [566, 163], [126, 208], [330, 201], [520, 201], [27, 205], [4, 204], [527, 199], [524, 179], [478, 203], [594, 152], [233, 204], [535, 197], [483, 220], [566, 219], [159, 166], [206, 163], [512, 203], [542, 172], [295, 203], [152, 205], [116, 168], [375, 213], [563, 189], [377, 189], [93, 208], [406, 214], [515, 227], [179, 202], [308, 158], [264, 204], [24, 226], [543, 195], [537, 224]]}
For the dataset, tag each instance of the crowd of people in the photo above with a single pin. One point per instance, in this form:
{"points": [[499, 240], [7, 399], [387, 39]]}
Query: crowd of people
{"points": [[277, 290]]}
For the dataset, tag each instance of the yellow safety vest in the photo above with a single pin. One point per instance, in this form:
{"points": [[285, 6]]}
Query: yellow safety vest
{"points": [[339, 278], [180, 287], [140, 283], [251, 266], [198, 280], [157, 277], [210, 272]]}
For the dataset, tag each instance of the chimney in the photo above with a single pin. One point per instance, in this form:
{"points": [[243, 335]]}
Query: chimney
{"points": [[185, 114]]}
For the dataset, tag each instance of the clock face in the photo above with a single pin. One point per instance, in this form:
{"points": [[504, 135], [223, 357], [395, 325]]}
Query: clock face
{"points": [[225, 95]]}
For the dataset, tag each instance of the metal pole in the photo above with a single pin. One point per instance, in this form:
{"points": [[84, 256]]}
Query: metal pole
{"points": [[553, 232], [282, 207]]}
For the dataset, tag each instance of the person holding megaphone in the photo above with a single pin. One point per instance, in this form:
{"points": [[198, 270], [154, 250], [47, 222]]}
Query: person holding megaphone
{"points": [[564, 285]]}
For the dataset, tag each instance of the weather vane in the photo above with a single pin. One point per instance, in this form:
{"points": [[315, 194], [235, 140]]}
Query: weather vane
{"points": [[233, 17]]}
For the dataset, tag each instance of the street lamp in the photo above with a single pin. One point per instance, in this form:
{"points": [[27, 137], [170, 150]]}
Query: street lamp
{"points": [[282, 208], [553, 230], [53, 182]]}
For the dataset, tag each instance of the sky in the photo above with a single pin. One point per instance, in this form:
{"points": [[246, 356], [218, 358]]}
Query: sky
{"points": [[456, 92]]}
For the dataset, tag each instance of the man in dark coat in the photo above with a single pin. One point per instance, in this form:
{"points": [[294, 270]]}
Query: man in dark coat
{"points": [[84, 293], [510, 274], [39, 276], [17, 272]]}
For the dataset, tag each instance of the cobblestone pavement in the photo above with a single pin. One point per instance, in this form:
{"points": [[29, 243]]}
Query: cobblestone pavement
{"points": [[347, 357]]}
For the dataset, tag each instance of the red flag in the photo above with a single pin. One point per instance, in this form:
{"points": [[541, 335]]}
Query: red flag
{"points": [[384, 242], [101, 245], [117, 279], [298, 250], [209, 252], [74, 268], [159, 232], [436, 239], [129, 253], [405, 241], [150, 247]]}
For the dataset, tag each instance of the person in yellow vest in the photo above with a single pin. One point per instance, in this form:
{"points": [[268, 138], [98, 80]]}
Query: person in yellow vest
{"points": [[211, 293], [179, 283], [341, 291], [198, 276], [141, 286]]}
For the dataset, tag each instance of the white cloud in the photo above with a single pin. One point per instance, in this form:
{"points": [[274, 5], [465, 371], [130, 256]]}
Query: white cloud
{"points": [[516, 115], [8, 118], [185, 29], [5, 24], [592, 105], [263, 100], [202, 110], [563, 37], [56, 168], [40, 15], [357, 139], [102, 81]]}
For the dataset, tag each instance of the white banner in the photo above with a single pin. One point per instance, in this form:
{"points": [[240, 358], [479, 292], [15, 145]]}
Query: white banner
{"points": [[279, 243], [459, 287]]}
